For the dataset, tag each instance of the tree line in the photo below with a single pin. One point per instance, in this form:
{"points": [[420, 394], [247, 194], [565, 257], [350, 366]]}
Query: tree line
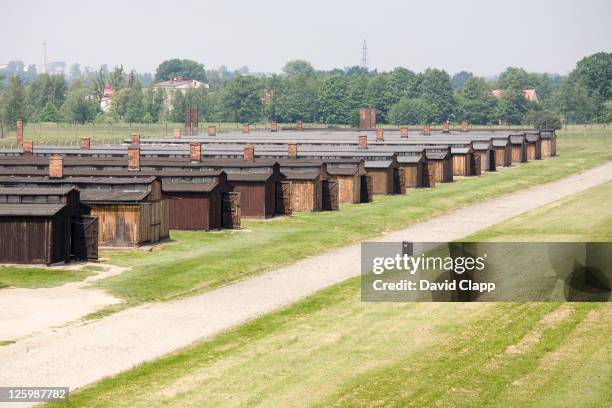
{"points": [[302, 93]]}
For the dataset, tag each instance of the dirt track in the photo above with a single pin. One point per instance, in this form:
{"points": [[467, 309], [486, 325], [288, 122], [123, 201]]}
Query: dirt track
{"points": [[78, 355]]}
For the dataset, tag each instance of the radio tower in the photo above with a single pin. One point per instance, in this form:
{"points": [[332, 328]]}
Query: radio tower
{"points": [[364, 55]]}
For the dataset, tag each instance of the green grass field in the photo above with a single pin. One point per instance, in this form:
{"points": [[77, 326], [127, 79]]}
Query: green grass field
{"points": [[567, 220], [200, 261], [333, 350], [15, 276]]}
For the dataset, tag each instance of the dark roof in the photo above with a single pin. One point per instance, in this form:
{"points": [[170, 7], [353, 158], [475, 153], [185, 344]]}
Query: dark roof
{"points": [[342, 171], [409, 159], [482, 145], [35, 190], [436, 155], [110, 196], [249, 176], [34, 210], [189, 187], [378, 164], [301, 175]]}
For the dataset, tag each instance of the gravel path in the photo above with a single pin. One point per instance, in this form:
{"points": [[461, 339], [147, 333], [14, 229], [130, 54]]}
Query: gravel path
{"points": [[26, 312], [78, 355]]}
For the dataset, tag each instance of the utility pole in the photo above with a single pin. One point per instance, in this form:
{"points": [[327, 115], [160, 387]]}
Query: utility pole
{"points": [[44, 66], [364, 55]]}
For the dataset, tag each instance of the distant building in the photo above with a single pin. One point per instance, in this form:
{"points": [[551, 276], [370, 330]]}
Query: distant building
{"points": [[529, 94], [107, 98], [53, 68], [177, 84]]}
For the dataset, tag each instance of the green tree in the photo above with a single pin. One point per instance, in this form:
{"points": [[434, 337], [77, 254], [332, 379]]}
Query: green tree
{"points": [[178, 105], [176, 67], [543, 119], [43, 90], [98, 82], [402, 83], [459, 79], [79, 107], [153, 103], [334, 101], [135, 108], [297, 98], [242, 101], [13, 102], [299, 68], [572, 101], [515, 78], [437, 91], [378, 95], [50, 113], [512, 107], [411, 111], [475, 103], [595, 73], [116, 78], [119, 103]]}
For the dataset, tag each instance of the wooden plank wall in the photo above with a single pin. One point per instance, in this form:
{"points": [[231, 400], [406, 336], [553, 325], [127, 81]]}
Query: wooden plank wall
{"points": [[25, 240], [306, 195], [349, 189], [382, 180]]}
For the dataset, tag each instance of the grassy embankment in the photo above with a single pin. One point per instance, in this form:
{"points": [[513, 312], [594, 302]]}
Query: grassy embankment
{"points": [[333, 350]]}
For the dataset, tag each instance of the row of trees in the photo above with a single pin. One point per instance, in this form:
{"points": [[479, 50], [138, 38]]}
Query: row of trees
{"points": [[302, 93]]}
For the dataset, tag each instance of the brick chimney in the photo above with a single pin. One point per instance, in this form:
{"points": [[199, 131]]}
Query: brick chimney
{"points": [[135, 138], [19, 132], [445, 127], [363, 141], [273, 127], [465, 126], [299, 125], [212, 130], [133, 158], [292, 150], [404, 132], [367, 118], [249, 153], [426, 130], [176, 133], [380, 135], [28, 147], [246, 128], [56, 166], [195, 152], [85, 143]]}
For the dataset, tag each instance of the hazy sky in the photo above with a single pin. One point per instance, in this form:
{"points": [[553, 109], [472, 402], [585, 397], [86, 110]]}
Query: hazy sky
{"points": [[482, 36]]}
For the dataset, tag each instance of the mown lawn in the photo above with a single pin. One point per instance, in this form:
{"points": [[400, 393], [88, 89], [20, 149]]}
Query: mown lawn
{"points": [[20, 277], [199, 261], [333, 350], [567, 220]]}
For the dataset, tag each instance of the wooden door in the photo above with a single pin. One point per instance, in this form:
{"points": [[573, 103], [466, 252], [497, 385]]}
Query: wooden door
{"points": [[330, 196], [231, 210], [283, 197], [367, 189], [85, 238]]}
